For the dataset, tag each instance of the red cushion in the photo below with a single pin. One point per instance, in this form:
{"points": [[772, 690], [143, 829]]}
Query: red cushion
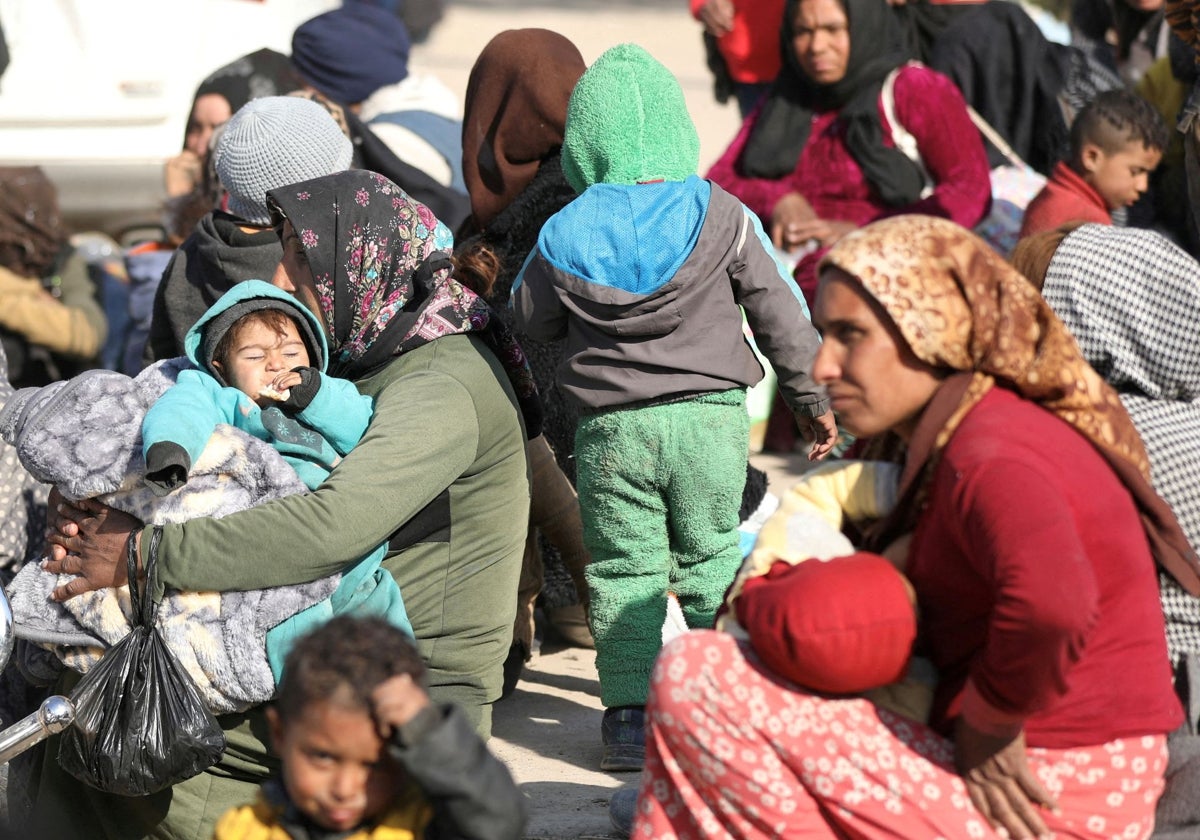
{"points": [[838, 627]]}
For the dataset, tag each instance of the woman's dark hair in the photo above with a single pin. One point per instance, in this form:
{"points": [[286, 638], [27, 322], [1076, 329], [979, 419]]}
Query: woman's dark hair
{"points": [[349, 657], [477, 267]]}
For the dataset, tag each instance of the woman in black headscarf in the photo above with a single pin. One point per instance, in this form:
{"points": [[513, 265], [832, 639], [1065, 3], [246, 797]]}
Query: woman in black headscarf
{"points": [[820, 157], [192, 188]]}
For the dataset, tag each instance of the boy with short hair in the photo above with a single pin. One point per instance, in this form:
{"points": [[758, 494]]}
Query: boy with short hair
{"points": [[1117, 140], [366, 755], [646, 273]]}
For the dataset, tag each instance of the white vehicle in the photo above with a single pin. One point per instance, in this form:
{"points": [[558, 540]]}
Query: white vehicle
{"points": [[98, 91]]}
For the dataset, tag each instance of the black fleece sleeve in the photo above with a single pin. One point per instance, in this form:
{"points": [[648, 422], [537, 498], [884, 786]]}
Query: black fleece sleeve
{"points": [[301, 395], [472, 793], [167, 465]]}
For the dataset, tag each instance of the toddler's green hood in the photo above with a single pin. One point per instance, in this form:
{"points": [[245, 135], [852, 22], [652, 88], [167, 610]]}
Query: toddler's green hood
{"points": [[627, 123]]}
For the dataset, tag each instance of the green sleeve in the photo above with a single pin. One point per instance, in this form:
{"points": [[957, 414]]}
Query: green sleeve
{"points": [[424, 435]]}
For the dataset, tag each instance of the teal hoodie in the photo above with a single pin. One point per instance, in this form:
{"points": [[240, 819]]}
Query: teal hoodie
{"points": [[313, 439]]}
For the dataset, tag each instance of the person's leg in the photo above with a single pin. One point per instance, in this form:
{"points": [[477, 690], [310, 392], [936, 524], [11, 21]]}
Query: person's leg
{"points": [[733, 751], [619, 472], [711, 439], [554, 510], [748, 95], [620, 468], [524, 630]]}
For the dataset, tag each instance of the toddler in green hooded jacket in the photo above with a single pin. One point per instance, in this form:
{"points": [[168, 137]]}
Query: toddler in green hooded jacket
{"points": [[646, 275]]}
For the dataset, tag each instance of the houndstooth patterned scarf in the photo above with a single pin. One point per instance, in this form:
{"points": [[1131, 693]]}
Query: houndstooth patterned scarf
{"points": [[1132, 300]]}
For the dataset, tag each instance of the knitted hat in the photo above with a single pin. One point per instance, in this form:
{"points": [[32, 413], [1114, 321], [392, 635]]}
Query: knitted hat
{"points": [[352, 51], [627, 123], [273, 142]]}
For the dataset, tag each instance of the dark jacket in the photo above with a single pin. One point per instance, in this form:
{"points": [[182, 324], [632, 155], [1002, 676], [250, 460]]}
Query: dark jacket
{"points": [[218, 255], [511, 235]]}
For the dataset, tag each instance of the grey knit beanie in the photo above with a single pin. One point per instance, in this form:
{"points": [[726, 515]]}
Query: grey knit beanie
{"points": [[272, 142]]}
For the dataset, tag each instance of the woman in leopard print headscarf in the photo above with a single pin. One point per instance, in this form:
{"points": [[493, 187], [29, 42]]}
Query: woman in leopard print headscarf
{"points": [[1030, 535]]}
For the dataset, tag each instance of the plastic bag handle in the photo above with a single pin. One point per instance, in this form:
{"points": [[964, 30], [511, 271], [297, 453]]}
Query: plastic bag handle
{"points": [[144, 609]]}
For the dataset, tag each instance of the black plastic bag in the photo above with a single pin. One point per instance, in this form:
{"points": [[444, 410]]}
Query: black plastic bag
{"points": [[140, 723]]}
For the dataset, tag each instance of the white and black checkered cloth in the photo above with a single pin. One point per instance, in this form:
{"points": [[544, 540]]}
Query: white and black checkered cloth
{"points": [[1132, 300]]}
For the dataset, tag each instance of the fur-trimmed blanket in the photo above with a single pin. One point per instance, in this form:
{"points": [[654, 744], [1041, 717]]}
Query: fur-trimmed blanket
{"points": [[83, 435]]}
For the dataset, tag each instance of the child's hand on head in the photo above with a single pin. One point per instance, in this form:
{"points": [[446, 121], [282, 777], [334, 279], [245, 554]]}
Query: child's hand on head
{"points": [[396, 702]]}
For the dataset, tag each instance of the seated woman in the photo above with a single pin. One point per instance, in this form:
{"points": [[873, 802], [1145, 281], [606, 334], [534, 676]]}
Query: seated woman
{"points": [[1034, 538], [1131, 298], [51, 324], [440, 475], [820, 157]]}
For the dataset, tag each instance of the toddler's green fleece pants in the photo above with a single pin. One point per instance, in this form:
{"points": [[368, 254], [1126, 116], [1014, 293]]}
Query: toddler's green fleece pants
{"points": [[659, 489]]}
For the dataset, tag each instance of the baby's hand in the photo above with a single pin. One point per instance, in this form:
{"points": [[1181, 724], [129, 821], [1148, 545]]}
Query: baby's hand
{"points": [[285, 380], [396, 702], [280, 387]]}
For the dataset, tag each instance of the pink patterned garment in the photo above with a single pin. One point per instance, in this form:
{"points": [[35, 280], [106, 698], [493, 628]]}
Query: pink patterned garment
{"points": [[931, 108], [733, 751]]}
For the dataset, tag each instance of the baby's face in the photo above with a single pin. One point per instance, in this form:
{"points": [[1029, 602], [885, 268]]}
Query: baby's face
{"points": [[335, 766], [260, 354]]}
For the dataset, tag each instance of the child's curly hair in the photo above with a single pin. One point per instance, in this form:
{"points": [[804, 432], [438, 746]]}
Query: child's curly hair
{"points": [[349, 657]]}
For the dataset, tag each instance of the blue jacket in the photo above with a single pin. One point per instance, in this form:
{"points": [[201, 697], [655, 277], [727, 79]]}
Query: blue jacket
{"points": [[312, 440]]}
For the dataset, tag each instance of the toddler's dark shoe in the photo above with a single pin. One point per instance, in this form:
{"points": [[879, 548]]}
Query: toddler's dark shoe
{"points": [[622, 808], [623, 733]]}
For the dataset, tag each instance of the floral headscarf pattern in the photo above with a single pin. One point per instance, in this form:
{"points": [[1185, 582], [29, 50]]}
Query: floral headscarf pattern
{"points": [[384, 277], [960, 306]]}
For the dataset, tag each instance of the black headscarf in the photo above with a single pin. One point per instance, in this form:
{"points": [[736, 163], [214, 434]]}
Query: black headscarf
{"points": [[779, 136], [264, 72]]}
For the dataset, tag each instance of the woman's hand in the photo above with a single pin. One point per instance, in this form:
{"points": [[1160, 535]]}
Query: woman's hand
{"points": [[791, 213], [182, 173], [717, 17], [1000, 783], [86, 539]]}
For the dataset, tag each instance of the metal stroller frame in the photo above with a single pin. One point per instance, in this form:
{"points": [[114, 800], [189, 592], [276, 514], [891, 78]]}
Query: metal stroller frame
{"points": [[54, 715]]}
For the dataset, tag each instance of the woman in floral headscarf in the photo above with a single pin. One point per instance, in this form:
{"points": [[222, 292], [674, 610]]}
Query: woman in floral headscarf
{"points": [[440, 476], [1034, 532]]}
